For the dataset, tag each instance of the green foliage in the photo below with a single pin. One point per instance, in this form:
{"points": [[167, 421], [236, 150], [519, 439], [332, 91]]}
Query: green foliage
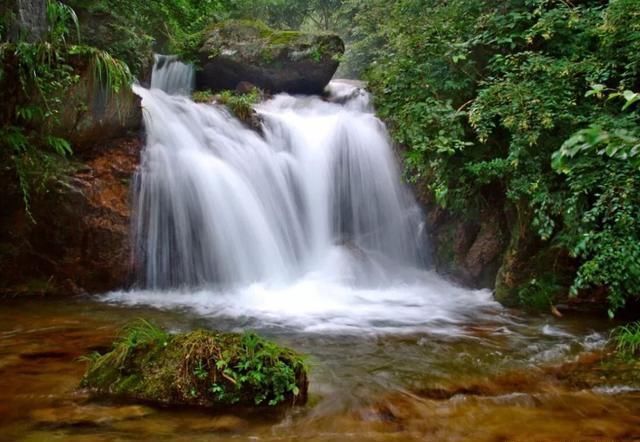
{"points": [[203, 96], [36, 79], [361, 26], [257, 367], [627, 340], [482, 94], [602, 213], [311, 15], [138, 334], [60, 18], [241, 105]]}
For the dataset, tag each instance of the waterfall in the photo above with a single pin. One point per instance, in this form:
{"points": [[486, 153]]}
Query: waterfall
{"points": [[304, 222], [172, 76], [218, 203]]}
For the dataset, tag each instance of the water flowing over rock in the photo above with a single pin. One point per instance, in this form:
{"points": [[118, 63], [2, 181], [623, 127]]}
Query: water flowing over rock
{"points": [[172, 76], [305, 223], [217, 203], [276, 61]]}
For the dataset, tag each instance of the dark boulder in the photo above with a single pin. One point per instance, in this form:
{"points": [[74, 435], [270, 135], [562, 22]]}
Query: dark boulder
{"points": [[276, 61]]}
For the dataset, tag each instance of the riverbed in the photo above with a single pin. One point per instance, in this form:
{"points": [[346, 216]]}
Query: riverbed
{"points": [[503, 375]]}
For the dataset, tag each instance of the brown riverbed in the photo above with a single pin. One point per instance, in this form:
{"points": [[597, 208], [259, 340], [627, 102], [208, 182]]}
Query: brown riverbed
{"points": [[537, 378]]}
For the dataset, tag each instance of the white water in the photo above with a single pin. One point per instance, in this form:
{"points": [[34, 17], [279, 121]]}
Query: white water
{"points": [[307, 225], [172, 76]]}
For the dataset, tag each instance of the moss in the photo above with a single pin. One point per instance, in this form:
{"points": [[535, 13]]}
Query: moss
{"points": [[284, 37], [257, 28], [202, 368], [445, 253], [534, 274]]}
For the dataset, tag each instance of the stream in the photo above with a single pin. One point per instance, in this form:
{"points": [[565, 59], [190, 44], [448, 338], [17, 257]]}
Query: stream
{"points": [[504, 376]]}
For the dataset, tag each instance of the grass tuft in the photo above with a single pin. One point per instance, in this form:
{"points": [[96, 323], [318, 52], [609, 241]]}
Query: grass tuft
{"points": [[627, 340]]}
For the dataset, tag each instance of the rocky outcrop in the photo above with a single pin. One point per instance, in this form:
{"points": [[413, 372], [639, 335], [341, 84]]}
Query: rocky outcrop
{"points": [[80, 239], [92, 113], [275, 61], [533, 272], [76, 236]]}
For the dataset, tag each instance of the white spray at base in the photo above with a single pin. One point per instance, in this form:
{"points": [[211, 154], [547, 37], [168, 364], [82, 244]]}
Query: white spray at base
{"points": [[305, 225]]}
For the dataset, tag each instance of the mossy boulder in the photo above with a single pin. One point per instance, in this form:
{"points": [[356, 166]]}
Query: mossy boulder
{"points": [[275, 61], [202, 368]]}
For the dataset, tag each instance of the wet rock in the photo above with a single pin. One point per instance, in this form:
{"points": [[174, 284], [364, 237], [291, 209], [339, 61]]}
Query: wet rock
{"points": [[81, 239], [531, 263], [88, 415], [92, 115], [239, 51], [201, 368], [244, 87], [467, 251], [27, 19]]}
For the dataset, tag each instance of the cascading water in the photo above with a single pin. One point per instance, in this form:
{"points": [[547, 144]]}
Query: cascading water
{"points": [[172, 76], [307, 223]]}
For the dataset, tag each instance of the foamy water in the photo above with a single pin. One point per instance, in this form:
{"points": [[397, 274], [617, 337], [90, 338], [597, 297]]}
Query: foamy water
{"points": [[307, 225]]}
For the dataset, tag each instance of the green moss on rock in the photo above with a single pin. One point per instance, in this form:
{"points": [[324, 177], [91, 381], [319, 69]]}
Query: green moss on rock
{"points": [[203, 368], [274, 60]]}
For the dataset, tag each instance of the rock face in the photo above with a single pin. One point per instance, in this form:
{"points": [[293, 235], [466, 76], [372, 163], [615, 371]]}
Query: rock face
{"points": [[28, 17], [93, 114], [467, 251], [80, 240], [275, 61], [201, 368]]}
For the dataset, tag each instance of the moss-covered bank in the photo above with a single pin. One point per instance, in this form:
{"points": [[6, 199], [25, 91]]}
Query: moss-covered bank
{"points": [[202, 368]]}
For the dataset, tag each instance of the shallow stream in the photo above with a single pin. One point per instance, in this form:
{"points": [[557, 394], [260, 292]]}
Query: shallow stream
{"points": [[499, 376]]}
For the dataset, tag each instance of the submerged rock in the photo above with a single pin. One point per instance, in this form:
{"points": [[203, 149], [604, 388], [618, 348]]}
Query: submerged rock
{"points": [[202, 368], [239, 51]]}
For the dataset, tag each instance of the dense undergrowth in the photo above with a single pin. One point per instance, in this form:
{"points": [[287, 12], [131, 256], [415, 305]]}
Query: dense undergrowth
{"points": [[626, 339]]}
